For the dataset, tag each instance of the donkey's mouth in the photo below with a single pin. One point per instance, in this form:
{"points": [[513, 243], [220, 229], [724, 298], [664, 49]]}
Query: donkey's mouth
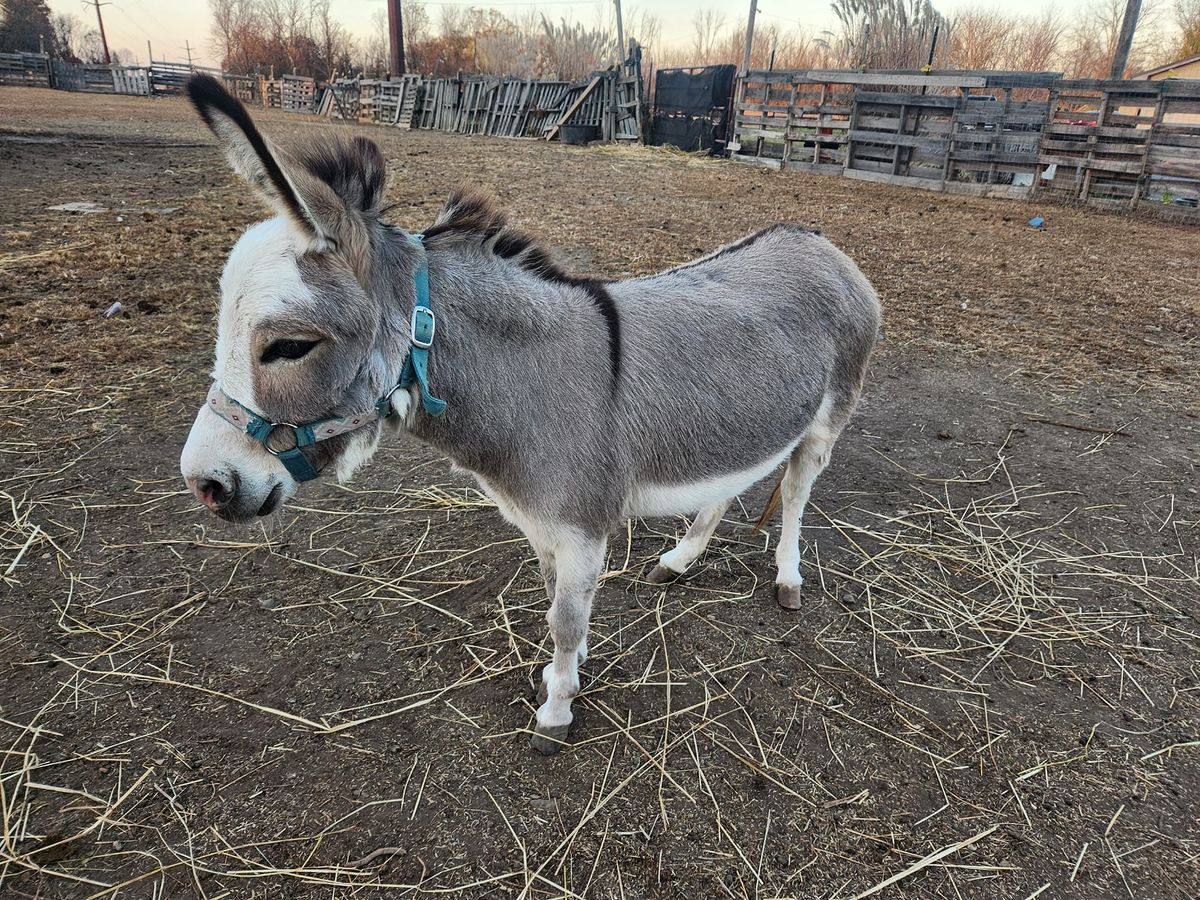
{"points": [[272, 502]]}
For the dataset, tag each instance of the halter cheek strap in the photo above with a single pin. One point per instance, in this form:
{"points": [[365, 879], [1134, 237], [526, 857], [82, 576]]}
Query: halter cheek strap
{"points": [[421, 330], [290, 440]]}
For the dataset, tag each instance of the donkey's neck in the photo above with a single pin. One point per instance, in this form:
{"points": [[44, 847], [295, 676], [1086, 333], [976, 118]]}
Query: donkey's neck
{"points": [[506, 340]]}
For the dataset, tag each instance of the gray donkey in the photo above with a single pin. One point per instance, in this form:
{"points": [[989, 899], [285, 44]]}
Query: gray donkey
{"points": [[576, 403]]}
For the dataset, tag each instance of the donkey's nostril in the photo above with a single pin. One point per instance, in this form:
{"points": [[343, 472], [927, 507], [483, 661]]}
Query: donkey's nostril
{"points": [[215, 493]]}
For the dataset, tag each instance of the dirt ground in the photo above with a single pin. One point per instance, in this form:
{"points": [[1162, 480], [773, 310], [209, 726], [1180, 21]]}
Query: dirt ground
{"points": [[994, 690]]}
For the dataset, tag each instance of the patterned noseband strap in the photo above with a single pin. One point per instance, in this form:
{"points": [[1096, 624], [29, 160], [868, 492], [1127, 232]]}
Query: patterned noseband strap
{"points": [[287, 441]]}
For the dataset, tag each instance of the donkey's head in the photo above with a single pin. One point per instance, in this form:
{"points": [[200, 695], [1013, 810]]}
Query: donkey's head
{"points": [[299, 339]]}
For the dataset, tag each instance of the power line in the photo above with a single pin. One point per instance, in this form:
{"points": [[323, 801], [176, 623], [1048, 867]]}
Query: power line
{"points": [[136, 24], [763, 12]]}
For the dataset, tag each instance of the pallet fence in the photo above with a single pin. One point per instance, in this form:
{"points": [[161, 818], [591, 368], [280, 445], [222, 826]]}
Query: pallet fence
{"points": [[1130, 144], [609, 102], [1014, 134], [25, 69]]}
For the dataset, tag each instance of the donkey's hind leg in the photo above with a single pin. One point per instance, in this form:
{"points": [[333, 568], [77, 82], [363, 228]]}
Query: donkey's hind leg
{"points": [[578, 561], [807, 461], [675, 562]]}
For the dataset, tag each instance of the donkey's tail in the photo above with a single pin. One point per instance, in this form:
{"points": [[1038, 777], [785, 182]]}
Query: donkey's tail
{"points": [[772, 504]]}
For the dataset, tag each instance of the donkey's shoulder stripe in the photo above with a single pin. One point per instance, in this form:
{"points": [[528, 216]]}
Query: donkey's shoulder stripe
{"points": [[612, 321]]}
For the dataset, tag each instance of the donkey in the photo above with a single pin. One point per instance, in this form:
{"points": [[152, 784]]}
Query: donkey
{"points": [[575, 402]]}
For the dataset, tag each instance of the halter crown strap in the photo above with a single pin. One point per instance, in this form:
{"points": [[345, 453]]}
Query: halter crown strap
{"points": [[414, 371]]}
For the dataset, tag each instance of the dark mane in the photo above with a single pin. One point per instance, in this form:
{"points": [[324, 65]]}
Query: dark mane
{"points": [[474, 215]]}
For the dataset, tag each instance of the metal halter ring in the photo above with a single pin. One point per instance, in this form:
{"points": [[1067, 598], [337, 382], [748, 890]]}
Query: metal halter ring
{"points": [[274, 427]]}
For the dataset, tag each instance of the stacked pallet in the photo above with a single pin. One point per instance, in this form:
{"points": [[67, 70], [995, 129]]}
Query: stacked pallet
{"points": [[25, 69], [134, 80], [296, 93], [979, 132], [247, 88]]}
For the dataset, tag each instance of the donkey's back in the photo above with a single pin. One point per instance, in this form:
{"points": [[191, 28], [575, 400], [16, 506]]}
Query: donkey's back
{"points": [[750, 348]]}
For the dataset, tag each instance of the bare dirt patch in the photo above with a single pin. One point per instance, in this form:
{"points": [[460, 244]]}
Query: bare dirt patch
{"points": [[1000, 658]]}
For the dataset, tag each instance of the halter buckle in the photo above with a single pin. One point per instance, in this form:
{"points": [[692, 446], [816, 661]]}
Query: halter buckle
{"points": [[422, 327]]}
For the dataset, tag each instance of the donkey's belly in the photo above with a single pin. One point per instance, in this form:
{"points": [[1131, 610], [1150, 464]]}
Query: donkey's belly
{"points": [[649, 499]]}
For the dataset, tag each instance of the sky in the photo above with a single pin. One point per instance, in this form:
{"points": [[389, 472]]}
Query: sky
{"points": [[173, 25]]}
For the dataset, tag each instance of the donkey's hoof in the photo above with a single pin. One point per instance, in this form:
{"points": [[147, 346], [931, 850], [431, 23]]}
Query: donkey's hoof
{"points": [[550, 740], [789, 596], [662, 575]]}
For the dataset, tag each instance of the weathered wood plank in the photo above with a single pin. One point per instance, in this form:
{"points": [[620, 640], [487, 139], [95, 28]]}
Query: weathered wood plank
{"points": [[892, 139], [926, 100], [1099, 165], [836, 76]]}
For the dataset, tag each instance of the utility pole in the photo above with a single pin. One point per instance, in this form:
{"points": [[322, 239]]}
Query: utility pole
{"points": [[1133, 9], [749, 37], [100, 19], [620, 34], [396, 61], [149, 54], [187, 45], [932, 47]]}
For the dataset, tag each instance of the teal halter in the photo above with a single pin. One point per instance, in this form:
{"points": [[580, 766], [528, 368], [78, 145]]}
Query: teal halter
{"points": [[415, 370]]}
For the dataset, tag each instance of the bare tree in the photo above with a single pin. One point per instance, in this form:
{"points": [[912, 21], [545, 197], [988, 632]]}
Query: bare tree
{"points": [[232, 22], [373, 55], [980, 39], [1187, 18], [69, 33], [1092, 41], [288, 25], [333, 40], [1036, 41], [416, 30], [707, 25]]}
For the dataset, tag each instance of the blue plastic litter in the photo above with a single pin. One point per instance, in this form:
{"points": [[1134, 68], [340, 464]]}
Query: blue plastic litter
{"points": [[1037, 222]]}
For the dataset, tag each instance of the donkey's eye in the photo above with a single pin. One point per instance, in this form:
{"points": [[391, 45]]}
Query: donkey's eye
{"points": [[288, 348]]}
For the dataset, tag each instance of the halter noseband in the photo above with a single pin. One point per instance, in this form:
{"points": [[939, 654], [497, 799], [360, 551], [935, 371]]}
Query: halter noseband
{"points": [[414, 371]]}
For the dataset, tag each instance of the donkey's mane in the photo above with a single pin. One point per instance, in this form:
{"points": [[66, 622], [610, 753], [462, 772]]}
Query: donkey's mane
{"points": [[475, 217]]}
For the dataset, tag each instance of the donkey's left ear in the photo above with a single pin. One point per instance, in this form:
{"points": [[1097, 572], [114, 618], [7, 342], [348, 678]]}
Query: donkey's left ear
{"points": [[249, 153]]}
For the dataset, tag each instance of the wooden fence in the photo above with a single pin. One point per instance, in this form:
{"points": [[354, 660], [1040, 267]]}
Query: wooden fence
{"points": [[291, 92], [25, 69], [609, 103], [1131, 143]]}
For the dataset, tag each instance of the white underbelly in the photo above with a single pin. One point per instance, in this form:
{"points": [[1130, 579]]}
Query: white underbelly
{"points": [[650, 499]]}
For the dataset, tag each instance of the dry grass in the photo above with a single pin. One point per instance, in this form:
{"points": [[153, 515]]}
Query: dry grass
{"points": [[967, 580]]}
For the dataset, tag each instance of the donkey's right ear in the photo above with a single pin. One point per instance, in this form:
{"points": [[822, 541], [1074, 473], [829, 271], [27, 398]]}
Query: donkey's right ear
{"points": [[247, 150]]}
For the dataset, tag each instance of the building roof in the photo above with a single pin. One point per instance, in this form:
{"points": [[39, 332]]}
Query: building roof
{"points": [[1158, 70]]}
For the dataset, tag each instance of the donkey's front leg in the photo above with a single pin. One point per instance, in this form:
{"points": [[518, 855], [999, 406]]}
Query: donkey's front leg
{"points": [[577, 562]]}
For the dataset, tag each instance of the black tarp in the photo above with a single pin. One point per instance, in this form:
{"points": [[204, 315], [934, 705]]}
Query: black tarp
{"points": [[693, 92], [691, 106], [687, 132]]}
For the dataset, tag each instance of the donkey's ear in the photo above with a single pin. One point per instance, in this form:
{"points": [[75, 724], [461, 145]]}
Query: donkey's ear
{"points": [[248, 151], [352, 167]]}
